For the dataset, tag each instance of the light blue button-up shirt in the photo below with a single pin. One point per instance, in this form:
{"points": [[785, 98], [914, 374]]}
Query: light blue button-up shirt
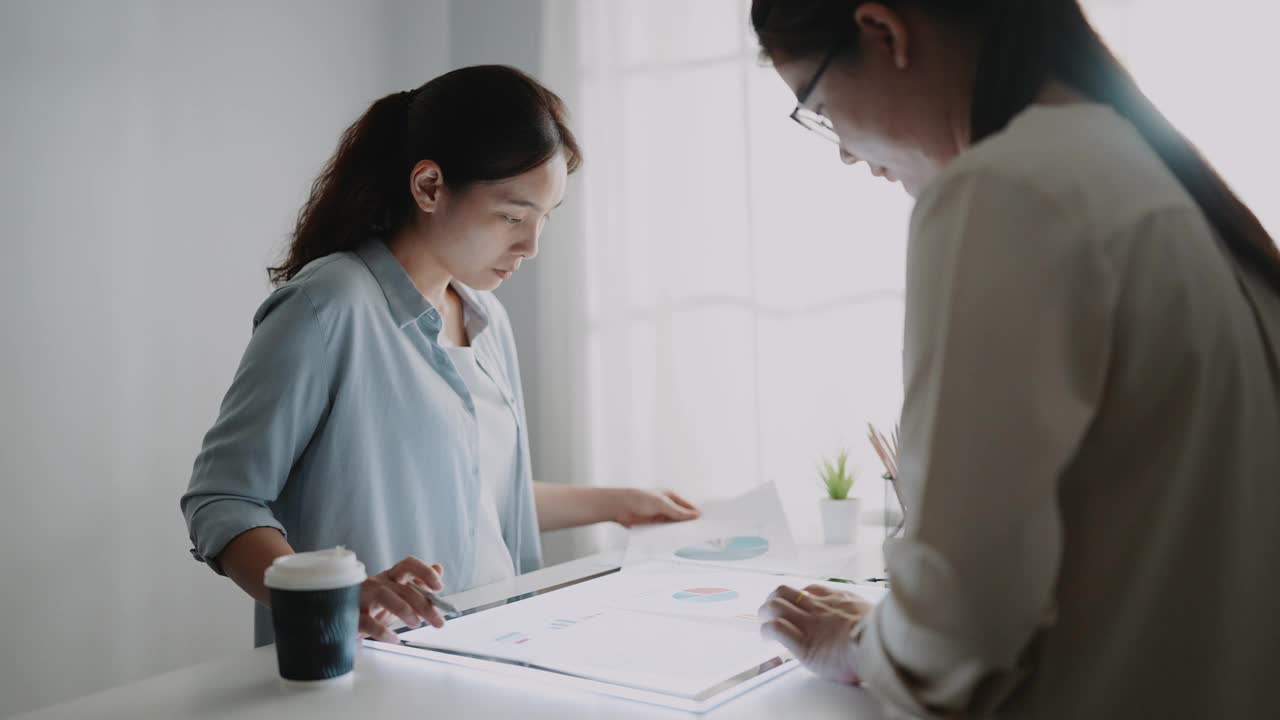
{"points": [[347, 424]]}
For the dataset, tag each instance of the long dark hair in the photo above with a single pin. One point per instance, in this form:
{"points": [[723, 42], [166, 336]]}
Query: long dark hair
{"points": [[1027, 42], [481, 124]]}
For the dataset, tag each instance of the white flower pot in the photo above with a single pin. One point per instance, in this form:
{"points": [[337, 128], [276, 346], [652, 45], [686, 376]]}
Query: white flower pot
{"points": [[840, 520]]}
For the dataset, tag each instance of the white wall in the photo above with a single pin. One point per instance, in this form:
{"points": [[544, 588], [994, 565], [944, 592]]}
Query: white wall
{"points": [[152, 156]]}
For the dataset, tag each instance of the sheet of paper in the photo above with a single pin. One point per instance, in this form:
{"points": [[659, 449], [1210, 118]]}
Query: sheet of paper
{"points": [[677, 634], [749, 532]]}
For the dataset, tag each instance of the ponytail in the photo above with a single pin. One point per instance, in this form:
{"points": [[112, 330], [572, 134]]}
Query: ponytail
{"points": [[363, 188], [1029, 42]]}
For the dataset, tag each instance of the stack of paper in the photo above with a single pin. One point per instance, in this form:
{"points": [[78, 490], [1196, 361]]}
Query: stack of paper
{"points": [[676, 626]]}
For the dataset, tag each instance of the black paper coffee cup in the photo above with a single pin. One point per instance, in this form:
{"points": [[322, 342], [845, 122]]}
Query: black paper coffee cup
{"points": [[315, 610]]}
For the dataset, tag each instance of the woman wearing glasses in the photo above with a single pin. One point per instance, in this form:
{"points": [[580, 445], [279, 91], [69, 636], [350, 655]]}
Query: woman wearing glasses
{"points": [[1089, 447], [378, 405]]}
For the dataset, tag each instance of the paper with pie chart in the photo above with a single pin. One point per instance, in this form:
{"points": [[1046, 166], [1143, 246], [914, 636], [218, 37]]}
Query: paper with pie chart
{"points": [[678, 634], [677, 625], [746, 532]]}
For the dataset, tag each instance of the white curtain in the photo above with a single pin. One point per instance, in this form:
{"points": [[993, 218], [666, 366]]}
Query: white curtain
{"points": [[728, 294]]}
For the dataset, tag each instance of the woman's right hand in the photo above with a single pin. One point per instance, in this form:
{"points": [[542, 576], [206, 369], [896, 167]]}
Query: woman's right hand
{"points": [[815, 625], [397, 592]]}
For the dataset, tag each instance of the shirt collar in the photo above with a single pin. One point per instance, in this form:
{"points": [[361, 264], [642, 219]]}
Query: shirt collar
{"points": [[406, 302], [474, 317]]}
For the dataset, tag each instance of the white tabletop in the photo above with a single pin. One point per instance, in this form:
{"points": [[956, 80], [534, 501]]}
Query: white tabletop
{"points": [[246, 685]]}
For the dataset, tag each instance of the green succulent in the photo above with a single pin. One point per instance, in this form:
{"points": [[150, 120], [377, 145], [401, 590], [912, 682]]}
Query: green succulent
{"points": [[837, 476]]}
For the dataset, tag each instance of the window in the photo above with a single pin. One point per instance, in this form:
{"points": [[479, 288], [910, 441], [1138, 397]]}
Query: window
{"points": [[743, 289]]}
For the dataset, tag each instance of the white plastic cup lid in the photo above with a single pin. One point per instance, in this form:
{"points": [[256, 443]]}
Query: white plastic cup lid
{"points": [[318, 570]]}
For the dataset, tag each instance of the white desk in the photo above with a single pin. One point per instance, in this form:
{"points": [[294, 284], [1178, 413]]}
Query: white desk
{"points": [[395, 686]]}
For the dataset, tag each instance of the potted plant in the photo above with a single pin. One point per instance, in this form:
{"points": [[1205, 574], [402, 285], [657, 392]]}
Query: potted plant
{"points": [[839, 511]]}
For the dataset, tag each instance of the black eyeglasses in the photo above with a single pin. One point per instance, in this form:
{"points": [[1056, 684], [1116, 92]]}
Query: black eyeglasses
{"points": [[810, 119]]}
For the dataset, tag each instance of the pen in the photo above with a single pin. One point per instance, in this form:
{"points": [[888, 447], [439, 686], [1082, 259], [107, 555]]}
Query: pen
{"points": [[854, 582], [444, 606]]}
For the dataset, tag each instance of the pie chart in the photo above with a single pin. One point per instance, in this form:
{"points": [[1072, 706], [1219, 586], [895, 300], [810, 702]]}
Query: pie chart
{"points": [[738, 547], [706, 595]]}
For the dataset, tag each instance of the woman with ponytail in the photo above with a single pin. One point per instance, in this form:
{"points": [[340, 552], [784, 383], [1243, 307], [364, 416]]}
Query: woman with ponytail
{"points": [[1090, 456], [378, 404]]}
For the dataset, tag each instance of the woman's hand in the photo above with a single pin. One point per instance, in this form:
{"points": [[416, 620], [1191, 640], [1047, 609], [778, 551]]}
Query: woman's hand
{"points": [[814, 625], [398, 592], [635, 506]]}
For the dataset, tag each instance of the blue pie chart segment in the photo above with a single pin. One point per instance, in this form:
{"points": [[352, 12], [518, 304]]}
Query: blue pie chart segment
{"points": [[706, 595], [741, 547]]}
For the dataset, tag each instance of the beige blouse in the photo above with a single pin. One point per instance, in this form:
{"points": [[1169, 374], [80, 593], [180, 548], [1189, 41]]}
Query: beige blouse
{"points": [[1090, 444]]}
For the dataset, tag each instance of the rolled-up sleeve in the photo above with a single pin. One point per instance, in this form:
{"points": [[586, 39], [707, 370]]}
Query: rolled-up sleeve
{"points": [[278, 397], [1005, 358]]}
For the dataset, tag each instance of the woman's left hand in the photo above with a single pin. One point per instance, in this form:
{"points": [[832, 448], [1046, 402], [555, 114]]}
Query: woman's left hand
{"points": [[636, 506], [814, 625]]}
